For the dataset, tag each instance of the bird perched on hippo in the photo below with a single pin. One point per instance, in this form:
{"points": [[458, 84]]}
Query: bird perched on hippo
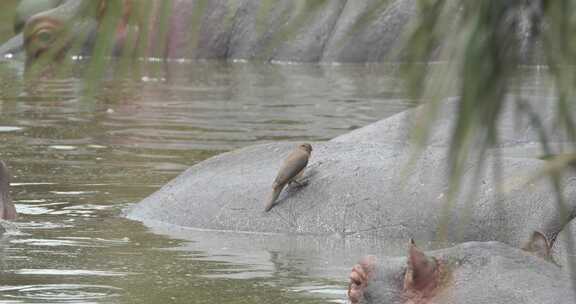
{"points": [[290, 172]]}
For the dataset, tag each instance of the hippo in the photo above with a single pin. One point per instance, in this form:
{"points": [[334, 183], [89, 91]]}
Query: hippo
{"points": [[358, 184], [362, 190], [26, 10], [75, 27], [29, 8], [307, 31], [7, 209], [471, 272], [516, 125], [287, 31]]}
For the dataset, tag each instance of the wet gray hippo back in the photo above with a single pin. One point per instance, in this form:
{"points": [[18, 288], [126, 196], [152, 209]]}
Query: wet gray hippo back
{"points": [[515, 128], [357, 190]]}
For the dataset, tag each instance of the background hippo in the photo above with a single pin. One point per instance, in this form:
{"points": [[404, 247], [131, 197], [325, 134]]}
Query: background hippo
{"points": [[28, 8], [303, 31], [473, 272], [55, 12]]}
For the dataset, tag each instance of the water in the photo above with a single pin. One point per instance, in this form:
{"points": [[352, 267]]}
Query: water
{"points": [[78, 160]]}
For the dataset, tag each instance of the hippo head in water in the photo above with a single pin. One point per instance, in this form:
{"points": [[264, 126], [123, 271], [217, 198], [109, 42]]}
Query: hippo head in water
{"points": [[49, 35], [473, 272], [29, 8], [24, 10], [72, 28], [7, 209]]}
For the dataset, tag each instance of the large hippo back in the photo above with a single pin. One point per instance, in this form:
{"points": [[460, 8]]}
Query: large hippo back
{"points": [[361, 190]]}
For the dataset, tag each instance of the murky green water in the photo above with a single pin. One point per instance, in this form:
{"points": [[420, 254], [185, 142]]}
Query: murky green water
{"points": [[79, 161]]}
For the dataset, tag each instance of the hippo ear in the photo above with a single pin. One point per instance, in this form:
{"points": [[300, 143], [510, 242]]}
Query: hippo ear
{"points": [[422, 271], [538, 245]]}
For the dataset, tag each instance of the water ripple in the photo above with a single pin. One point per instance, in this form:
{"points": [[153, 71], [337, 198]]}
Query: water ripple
{"points": [[70, 272], [60, 293], [10, 129]]}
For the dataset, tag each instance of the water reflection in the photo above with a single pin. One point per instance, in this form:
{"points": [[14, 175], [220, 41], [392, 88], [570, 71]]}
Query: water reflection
{"points": [[79, 156]]}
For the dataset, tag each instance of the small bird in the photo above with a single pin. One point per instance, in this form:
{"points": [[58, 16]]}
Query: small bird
{"points": [[291, 170]]}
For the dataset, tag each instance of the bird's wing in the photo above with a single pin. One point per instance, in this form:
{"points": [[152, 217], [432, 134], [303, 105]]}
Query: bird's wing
{"points": [[294, 164]]}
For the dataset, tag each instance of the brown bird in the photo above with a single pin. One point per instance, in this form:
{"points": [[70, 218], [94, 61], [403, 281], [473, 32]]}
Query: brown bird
{"points": [[7, 209], [291, 170]]}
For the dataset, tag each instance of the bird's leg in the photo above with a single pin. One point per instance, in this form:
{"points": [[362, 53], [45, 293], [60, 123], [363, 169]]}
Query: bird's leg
{"points": [[299, 182]]}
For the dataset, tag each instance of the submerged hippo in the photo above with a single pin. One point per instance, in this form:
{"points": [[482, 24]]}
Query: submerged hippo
{"points": [[29, 8], [516, 125], [285, 30], [75, 27], [7, 209], [364, 190], [55, 13], [474, 272], [47, 35], [304, 31]]}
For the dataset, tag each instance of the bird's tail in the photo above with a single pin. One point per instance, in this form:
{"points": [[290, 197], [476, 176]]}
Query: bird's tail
{"points": [[273, 197]]}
